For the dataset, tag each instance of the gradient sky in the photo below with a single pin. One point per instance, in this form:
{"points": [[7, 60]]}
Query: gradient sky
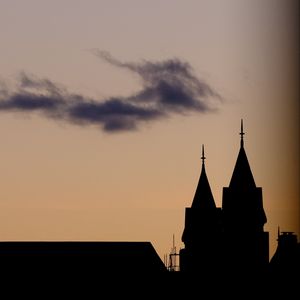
{"points": [[66, 181]]}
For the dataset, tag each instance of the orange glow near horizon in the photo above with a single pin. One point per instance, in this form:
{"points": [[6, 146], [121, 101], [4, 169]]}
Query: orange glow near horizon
{"points": [[62, 181]]}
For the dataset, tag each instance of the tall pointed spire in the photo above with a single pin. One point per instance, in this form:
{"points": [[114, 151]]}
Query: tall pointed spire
{"points": [[242, 175], [203, 196], [242, 200]]}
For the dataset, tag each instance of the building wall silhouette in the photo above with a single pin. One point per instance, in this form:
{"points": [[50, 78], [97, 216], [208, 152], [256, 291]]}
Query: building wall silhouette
{"points": [[286, 259]]}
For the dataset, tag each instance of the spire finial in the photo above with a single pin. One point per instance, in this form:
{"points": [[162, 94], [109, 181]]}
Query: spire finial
{"points": [[242, 134], [203, 157]]}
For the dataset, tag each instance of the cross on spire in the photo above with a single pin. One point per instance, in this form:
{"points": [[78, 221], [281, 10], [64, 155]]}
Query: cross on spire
{"points": [[203, 157], [242, 134]]}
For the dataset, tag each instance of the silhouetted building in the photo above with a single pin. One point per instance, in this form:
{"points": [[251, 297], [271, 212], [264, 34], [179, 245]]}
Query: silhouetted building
{"points": [[286, 259], [218, 242], [201, 234], [232, 237], [246, 245], [78, 258]]}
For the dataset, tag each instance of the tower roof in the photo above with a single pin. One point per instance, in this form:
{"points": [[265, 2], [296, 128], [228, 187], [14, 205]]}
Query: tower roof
{"points": [[242, 175], [203, 196]]}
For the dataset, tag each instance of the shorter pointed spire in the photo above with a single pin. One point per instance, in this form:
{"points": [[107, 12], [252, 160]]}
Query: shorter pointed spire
{"points": [[203, 157], [203, 196], [242, 133]]}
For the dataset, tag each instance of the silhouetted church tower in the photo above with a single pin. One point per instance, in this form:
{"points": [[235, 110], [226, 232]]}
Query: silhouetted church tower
{"points": [[232, 237], [246, 245], [201, 234]]}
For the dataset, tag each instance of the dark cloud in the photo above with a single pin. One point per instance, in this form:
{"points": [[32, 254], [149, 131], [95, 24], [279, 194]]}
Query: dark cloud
{"points": [[168, 87], [115, 114], [29, 102], [170, 84]]}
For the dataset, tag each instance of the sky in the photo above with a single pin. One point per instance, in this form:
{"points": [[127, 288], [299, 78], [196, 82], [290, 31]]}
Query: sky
{"points": [[104, 107]]}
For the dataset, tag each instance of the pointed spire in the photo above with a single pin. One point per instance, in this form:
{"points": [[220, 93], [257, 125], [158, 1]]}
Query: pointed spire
{"points": [[203, 196], [203, 157], [242, 134], [242, 176]]}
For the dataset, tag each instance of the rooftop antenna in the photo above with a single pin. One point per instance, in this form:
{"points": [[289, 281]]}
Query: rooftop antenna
{"points": [[172, 266]]}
